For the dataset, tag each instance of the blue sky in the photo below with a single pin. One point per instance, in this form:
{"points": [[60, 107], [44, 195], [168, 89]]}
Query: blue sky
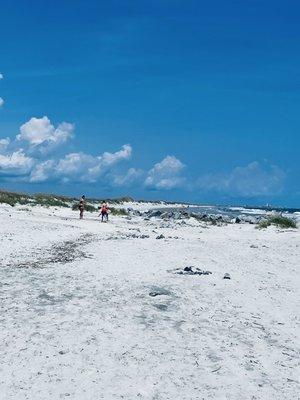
{"points": [[189, 100]]}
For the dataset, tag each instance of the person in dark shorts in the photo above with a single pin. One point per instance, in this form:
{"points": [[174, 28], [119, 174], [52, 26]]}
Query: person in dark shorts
{"points": [[81, 206], [104, 212]]}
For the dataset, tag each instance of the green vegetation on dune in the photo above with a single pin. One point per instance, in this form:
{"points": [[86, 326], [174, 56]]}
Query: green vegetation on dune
{"points": [[117, 200], [87, 207], [277, 220], [50, 200], [118, 211], [12, 198]]}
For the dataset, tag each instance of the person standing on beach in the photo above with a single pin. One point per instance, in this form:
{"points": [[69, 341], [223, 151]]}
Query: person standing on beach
{"points": [[81, 206], [104, 211]]}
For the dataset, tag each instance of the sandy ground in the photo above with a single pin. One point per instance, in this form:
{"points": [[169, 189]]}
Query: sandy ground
{"points": [[77, 320]]}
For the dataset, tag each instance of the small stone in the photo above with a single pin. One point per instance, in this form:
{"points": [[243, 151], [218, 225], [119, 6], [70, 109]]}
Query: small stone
{"points": [[159, 292], [161, 307], [188, 269], [160, 236], [206, 272], [226, 276]]}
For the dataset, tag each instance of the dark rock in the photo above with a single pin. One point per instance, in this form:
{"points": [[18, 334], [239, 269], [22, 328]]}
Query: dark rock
{"points": [[136, 236], [199, 272], [154, 294], [226, 276], [157, 291], [161, 307], [154, 213], [166, 215], [192, 271], [137, 213], [160, 236]]}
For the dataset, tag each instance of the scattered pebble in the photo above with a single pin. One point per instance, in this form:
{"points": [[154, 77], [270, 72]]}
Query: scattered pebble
{"points": [[217, 369]]}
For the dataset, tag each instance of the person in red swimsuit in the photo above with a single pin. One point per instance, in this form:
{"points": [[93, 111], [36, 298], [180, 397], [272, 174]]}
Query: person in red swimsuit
{"points": [[104, 212]]}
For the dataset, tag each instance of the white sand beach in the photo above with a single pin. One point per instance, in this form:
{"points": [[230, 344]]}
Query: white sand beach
{"points": [[94, 311]]}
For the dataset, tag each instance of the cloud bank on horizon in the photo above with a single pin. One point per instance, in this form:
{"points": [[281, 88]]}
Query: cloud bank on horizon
{"points": [[35, 156]]}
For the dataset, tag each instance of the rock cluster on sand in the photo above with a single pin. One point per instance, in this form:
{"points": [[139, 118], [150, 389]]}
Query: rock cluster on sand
{"points": [[203, 217], [191, 271], [178, 214]]}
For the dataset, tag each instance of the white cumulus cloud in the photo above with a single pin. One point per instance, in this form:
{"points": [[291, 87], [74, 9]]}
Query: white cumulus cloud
{"points": [[26, 155], [42, 171], [133, 175], [78, 167], [165, 174], [40, 131], [16, 163], [113, 158]]}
